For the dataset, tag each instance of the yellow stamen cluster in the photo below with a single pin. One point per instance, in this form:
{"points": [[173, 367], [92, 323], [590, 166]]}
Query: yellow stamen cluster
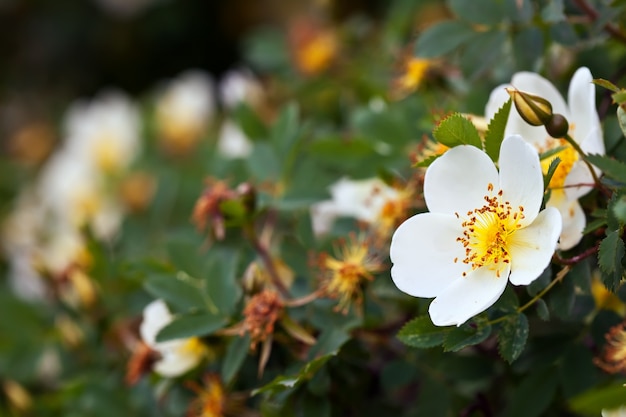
{"points": [[568, 157], [487, 233], [345, 273], [613, 357], [193, 346], [211, 400]]}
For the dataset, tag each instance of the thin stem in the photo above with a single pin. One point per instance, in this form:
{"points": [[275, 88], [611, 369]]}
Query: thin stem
{"points": [[576, 258], [559, 278], [266, 258]]}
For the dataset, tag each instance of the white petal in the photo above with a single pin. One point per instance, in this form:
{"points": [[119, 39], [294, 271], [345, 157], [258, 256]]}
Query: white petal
{"points": [[423, 250], [521, 180], [156, 315], [574, 220], [175, 361], [457, 181], [579, 174], [497, 98], [582, 105], [467, 297], [532, 247], [534, 83], [323, 214]]}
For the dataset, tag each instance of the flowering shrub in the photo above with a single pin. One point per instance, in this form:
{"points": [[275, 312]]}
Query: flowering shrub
{"points": [[330, 228]]}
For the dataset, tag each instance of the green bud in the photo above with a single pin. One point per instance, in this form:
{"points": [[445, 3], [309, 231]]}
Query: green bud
{"points": [[535, 110]]}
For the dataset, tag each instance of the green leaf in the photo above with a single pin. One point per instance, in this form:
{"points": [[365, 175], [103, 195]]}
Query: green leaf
{"points": [[529, 46], [443, 37], [561, 299], [592, 402], [466, 335], [264, 164], [611, 167], [282, 383], [180, 290], [542, 310], [512, 337], [286, 129], [235, 354], [457, 130], [249, 122], [619, 209], [621, 119], [541, 386], [594, 225], [495, 131], [551, 170], [481, 12], [553, 12], [484, 52], [422, 333], [191, 325], [610, 254]]}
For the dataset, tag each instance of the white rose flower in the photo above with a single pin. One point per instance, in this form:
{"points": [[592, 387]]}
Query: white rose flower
{"points": [[484, 229], [361, 199], [572, 178], [177, 356]]}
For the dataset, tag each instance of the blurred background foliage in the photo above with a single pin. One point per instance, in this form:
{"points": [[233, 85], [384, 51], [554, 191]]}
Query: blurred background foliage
{"points": [[348, 89]]}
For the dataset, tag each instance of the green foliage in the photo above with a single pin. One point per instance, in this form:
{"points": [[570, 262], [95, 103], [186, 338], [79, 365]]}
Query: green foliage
{"points": [[305, 373], [457, 130], [466, 335], [366, 111], [442, 38], [191, 325], [495, 131], [610, 167], [593, 401], [610, 254], [422, 333], [512, 337]]}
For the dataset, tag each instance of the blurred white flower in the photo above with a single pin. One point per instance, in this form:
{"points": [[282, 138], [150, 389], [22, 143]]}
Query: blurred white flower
{"points": [[19, 240], [616, 412], [239, 86], [572, 178], [484, 229], [232, 141], [361, 199], [105, 132], [184, 109], [177, 356], [76, 193]]}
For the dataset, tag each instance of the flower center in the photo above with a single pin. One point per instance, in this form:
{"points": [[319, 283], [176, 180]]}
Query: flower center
{"points": [[568, 157], [487, 233], [193, 346]]}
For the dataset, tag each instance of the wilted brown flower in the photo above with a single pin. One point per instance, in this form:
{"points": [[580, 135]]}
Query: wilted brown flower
{"points": [[140, 362], [613, 356], [260, 315]]}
